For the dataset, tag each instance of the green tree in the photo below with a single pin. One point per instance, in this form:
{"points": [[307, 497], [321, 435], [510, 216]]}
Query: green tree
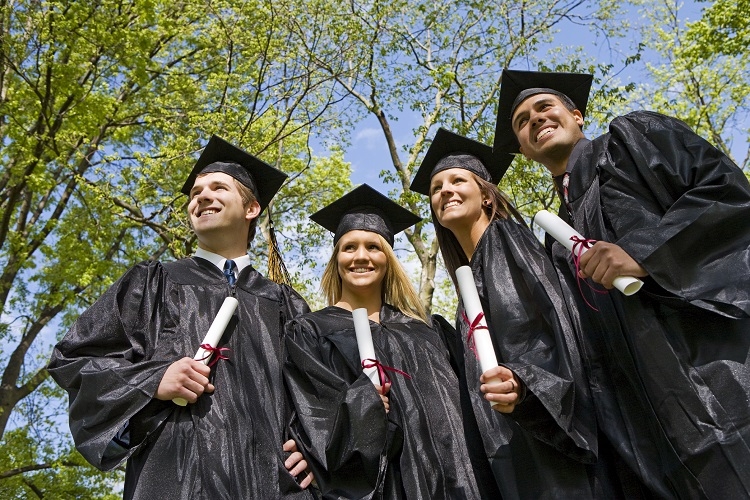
{"points": [[702, 73], [440, 62], [103, 107], [724, 29], [105, 104]]}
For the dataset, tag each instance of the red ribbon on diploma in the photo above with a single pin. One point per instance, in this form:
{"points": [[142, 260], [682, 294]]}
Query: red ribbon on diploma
{"points": [[382, 375], [473, 326], [211, 351], [579, 245]]}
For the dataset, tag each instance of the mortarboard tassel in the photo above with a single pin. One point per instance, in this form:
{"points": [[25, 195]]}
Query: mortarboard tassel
{"points": [[277, 270]]}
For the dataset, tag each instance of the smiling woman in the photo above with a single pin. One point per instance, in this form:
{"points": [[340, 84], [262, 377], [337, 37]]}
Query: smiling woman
{"points": [[362, 265], [391, 440], [540, 437]]}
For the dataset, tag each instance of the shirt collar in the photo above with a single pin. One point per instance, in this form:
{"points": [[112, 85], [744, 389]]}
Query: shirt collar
{"points": [[217, 260]]}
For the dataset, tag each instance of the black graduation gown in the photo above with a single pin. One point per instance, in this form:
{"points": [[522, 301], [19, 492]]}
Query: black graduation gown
{"points": [[669, 367], [355, 450], [545, 448], [226, 445]]}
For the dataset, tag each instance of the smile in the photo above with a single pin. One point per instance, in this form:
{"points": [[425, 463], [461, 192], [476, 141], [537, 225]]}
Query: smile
{"points": [[360, 270], [210, 211], [544, 133], [450, 204]]}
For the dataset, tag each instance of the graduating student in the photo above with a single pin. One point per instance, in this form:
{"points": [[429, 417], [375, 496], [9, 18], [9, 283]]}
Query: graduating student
{"points": [[401, 438], [669, 366], [131, 353], [545, 444]]}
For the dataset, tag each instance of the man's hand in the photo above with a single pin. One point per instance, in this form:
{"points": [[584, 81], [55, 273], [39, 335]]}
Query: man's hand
{"points": [[604, 262], [499, 384], [186, 378], [296, 463]]}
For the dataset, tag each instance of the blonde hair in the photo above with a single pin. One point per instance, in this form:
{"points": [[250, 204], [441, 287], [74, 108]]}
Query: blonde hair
{"points": [[396, 289]]}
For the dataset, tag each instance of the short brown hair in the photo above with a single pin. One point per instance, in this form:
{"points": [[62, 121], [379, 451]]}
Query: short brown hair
{"points": [[247, 196]]}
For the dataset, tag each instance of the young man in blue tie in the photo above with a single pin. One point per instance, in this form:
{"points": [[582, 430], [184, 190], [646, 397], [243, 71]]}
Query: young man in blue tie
{"points": [[129, 355]]}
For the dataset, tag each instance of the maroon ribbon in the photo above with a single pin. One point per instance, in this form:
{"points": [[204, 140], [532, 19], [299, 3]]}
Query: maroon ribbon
{"points": [[382, 369], [211, 351], [473, 326], [579, 245]]}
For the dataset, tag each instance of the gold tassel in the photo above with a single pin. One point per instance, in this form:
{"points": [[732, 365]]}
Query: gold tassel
{"points": [[277, 270]]}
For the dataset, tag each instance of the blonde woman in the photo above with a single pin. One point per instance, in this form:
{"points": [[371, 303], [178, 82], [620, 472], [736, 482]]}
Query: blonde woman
{"points": [[402, 437]]}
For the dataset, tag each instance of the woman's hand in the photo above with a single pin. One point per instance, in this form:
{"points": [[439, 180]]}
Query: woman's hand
{"points": [[500, 385]]}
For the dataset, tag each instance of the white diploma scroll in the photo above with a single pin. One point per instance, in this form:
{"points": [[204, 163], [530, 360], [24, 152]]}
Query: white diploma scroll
{"points": [[364, 342], [213, 335], [562, 233], [481, 335]]}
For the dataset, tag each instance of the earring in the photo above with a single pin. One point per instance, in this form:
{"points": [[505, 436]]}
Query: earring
{"points": [[487, 203]]}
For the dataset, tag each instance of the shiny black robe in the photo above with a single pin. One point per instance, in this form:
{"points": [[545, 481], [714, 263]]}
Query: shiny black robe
{"points": [[228, 444], [547, 447], [669, 367], [355, 450]]}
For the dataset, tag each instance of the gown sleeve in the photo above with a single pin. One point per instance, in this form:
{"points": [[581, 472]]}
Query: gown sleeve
{"points": [[105, 362], [533, 336], [691, 232], [340, 426]]}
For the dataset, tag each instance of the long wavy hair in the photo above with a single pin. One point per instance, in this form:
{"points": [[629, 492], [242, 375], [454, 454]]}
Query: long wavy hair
{"points": [[499, 207], [396, 289]]}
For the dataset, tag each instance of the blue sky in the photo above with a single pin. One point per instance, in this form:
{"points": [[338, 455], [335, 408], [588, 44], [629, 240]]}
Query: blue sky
{"points": [[368, 152]]}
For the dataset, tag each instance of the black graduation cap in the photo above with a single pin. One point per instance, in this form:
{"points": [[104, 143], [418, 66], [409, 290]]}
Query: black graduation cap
{"points": [[220, 156], [518, 85], [366, 209], [490, 167]]}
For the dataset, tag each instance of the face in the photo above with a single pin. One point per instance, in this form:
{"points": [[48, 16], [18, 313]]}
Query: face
{"points": [[547, 130], [216, 207], [361, 262], [457, 199]]}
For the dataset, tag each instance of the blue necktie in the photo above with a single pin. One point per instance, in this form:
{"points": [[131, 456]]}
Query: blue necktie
{"points": [[229, 267]]}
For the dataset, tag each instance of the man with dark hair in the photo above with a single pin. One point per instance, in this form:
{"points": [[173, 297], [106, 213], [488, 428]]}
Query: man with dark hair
{"points": [[669, 367], [129, 356]]}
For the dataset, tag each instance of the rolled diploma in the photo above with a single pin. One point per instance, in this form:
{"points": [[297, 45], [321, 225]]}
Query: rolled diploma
{"points": [[364, 342], [562, 232], [482, 340], [213, 335]]}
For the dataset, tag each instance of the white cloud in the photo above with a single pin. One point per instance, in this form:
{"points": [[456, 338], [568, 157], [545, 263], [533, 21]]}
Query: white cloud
{"points": [[369, 138]]}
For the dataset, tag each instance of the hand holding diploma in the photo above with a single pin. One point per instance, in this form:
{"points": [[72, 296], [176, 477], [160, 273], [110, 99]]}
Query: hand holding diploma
{"points": [[608, 257], [185, 379], [210, 341], [484, 349], [500, 385]]}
